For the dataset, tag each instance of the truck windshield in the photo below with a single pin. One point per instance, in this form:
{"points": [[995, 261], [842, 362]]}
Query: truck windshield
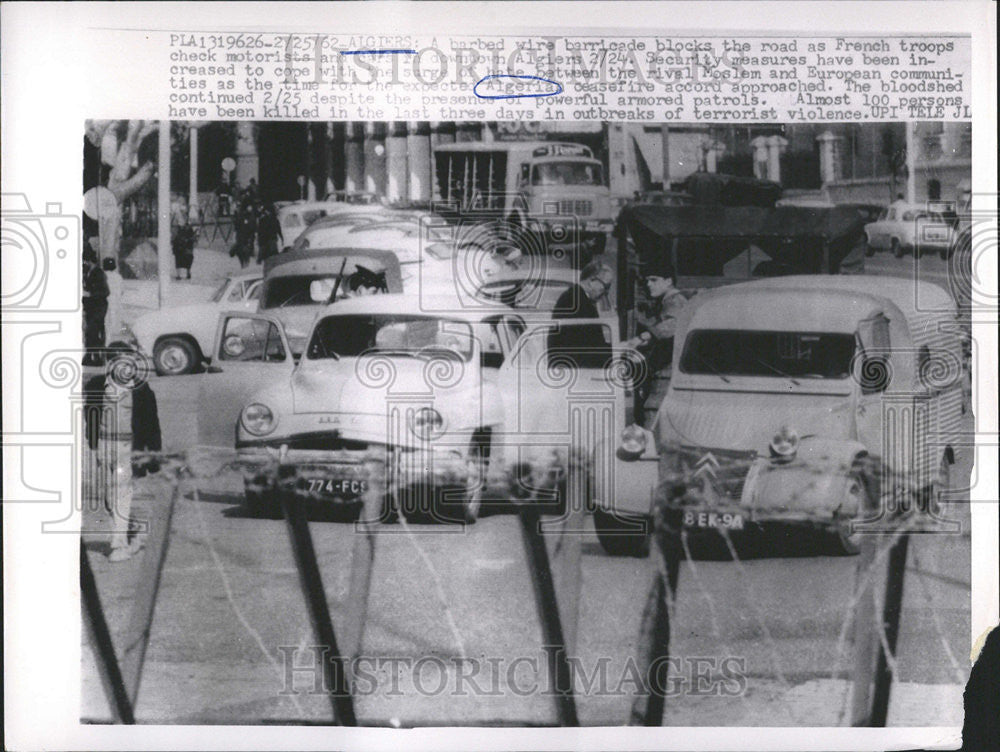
{"points": [[789, 355], [396, 334], [566, 173]]}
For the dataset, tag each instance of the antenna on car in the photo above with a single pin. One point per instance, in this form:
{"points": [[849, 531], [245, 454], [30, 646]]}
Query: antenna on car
{"points": [[336, 285]]}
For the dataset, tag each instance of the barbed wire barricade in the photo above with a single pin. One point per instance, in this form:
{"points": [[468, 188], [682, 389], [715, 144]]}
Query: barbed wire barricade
{"points": [[866, 647]]}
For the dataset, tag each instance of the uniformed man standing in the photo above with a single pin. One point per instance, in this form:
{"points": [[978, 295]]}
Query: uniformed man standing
{"points": [[657, 321]]}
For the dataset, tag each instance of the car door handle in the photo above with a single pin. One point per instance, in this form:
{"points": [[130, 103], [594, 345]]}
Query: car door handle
{"points": [[213, 369]]}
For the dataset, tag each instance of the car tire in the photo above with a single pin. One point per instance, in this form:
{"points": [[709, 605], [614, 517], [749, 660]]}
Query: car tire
{"points": [[845, 539], [896, 248], [174, 356], [618, 535], [862, 494], [479, 465], [869, 249]]}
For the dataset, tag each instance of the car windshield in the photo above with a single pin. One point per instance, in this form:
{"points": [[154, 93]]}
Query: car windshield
{"points": [[739, 352], [217, 295], [396, 334], [566, 173]]}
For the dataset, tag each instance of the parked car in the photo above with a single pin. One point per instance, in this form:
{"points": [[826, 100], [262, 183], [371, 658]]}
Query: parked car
{"points": [[821, 402], [179, 338], [909, 228], [457, 394], [356, 198], [299, 284], [532, 290], [296, 217]]}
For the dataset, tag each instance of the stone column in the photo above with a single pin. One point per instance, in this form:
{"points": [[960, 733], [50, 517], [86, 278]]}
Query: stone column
{"points": [[354, 157], [419, 162], [247, 161], [334, 156], [759, 146], [374, 147], [193, 175], [775, 146], [395, 162], [828, 172]]}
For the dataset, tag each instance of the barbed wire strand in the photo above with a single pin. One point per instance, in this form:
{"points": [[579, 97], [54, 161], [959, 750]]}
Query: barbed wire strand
{"points": [[713, 616], [960, 675], [220, 569], [438, 586]]}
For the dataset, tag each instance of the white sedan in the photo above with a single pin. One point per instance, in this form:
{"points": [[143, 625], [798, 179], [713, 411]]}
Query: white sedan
{"points": [[179, 338], [909, 227]]}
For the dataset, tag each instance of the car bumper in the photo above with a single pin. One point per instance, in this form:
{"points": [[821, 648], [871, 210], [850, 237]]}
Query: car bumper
{"points": [[343, 476]]}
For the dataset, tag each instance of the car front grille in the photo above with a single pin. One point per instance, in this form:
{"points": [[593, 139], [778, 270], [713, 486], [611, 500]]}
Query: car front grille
{"points": [[576, 208]]}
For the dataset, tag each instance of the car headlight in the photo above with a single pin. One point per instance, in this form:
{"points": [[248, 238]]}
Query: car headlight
{"points": [[785, 444], [258, 419], [427, 423], [633, 442]]}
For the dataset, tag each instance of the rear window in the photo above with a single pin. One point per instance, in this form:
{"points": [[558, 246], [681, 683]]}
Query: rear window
{"points": [[771, 354]]}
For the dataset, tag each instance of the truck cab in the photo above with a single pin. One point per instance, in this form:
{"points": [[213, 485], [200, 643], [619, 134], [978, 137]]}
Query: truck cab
{"points": [[553, 186]]}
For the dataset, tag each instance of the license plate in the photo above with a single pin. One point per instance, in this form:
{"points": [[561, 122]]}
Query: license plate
{"points": [[329, 488], [724, 520]]}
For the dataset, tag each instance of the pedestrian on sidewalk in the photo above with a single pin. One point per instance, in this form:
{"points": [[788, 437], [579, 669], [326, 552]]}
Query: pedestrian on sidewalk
{"points": [[246, 231], [268, 232], [95, 307], [183, 248]]}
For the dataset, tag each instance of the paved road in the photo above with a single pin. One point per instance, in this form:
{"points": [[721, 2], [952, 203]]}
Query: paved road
{"points": [[230, 605]]}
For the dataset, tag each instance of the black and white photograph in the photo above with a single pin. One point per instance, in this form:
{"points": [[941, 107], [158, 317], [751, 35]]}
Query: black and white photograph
{"points": [[500, 375], [495, 381]]}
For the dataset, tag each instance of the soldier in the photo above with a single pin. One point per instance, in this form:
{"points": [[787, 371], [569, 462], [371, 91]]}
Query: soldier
{"points": [[659, 320]]}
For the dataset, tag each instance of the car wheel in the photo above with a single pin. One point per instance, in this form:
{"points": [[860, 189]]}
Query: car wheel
{"points": [[622, 534], [869, 249], [174, 356], [478, 465], [845, 537], [896, 248]]}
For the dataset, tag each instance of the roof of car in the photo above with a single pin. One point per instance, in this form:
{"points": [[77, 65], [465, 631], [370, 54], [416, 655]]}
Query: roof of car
{"points": [[830, 302], [308, 260], [437, 304]]}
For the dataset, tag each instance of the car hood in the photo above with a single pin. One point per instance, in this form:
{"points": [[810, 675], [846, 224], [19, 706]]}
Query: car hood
{"points": [[748, 420], [370, 385]]}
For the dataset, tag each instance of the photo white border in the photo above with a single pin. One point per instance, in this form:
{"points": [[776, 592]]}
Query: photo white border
{"points": [[58, 64]]}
